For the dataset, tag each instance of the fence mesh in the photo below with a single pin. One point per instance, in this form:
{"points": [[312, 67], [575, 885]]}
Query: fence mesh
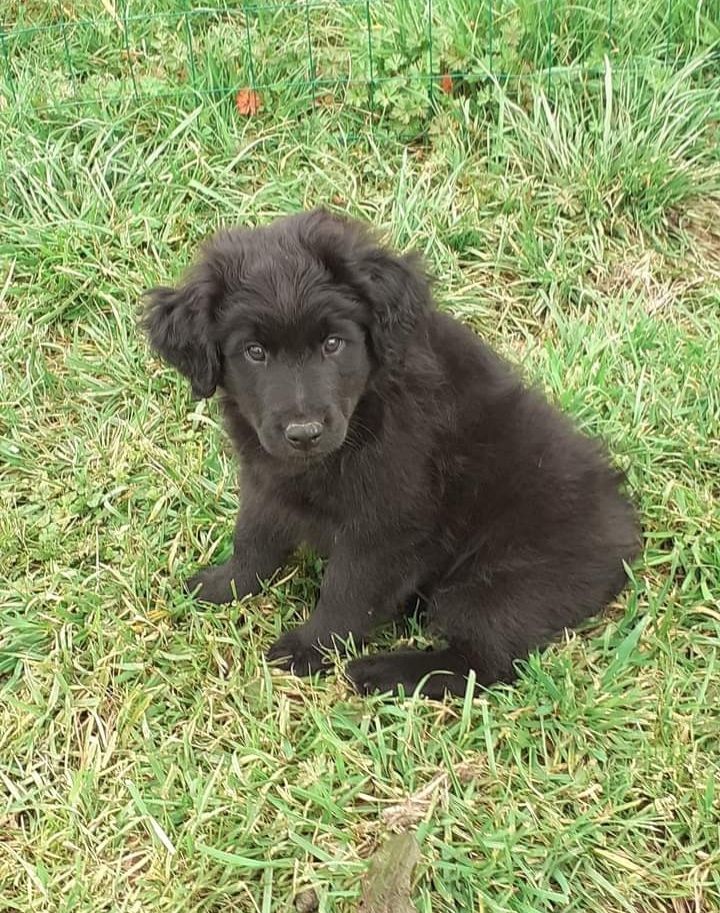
{"points": [[384, 60]]}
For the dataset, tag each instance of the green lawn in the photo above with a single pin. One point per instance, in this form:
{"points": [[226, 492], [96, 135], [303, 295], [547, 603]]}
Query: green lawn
{"points": [[149, 760]]}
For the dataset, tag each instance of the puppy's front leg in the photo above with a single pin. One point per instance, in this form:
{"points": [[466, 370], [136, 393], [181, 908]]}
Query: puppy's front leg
{"points": [[360, 590], [260, 548]]}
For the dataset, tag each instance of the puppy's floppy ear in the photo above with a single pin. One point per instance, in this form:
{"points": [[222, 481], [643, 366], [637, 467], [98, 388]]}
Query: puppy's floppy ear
{"points": [[398, 293], [179, 323], [395, 287]]}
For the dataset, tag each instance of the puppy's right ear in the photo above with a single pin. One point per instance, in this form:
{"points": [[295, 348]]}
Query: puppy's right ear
{"points": [[180, 322]]}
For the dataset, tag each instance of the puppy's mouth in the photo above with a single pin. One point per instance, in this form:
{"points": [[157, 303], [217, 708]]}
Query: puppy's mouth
{"points": [[310, 458], [304, 458]]}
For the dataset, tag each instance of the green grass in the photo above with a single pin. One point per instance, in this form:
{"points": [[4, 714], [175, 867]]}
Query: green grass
{"points": [[301, 53], [149, 759]]}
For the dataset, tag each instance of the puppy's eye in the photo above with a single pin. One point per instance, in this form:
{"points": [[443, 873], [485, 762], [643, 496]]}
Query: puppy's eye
{"points": [[332, 345], [255, 352]]}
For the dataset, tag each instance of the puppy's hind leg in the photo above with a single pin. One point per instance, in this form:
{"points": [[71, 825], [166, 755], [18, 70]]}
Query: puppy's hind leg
{"points": [[487, 625], [446, 672]]}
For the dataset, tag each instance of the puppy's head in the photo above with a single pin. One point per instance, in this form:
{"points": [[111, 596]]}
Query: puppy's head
{"points": [[293, 321]]}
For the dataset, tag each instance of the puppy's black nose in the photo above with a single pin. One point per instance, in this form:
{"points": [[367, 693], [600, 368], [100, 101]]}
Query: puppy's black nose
{"points": [[303, 435]]}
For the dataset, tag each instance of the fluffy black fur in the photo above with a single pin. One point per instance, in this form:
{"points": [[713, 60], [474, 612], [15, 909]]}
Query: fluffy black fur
{"points": [[389, 438]]}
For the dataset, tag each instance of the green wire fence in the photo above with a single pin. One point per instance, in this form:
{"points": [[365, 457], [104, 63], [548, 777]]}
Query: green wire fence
{"points": [[382, 59]]}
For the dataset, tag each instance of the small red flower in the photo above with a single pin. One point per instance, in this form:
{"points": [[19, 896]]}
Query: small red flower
{"points": [[446, 83], [248, 102]]}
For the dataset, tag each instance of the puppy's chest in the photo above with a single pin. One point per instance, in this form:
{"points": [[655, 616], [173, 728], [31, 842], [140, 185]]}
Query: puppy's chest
{"points": [[314, 511]]}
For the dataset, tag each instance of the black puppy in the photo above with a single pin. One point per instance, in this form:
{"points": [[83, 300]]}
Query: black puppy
{"points": [[388, 437]]}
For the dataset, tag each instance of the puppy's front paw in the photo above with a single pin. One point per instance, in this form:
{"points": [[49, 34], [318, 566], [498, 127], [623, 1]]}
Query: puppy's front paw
{"points": [[218, 584], [292, 651]]}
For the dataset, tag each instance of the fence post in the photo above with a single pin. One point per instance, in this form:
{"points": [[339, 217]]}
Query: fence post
{"points": [[128, 50], [6, 60], [371, 64]]}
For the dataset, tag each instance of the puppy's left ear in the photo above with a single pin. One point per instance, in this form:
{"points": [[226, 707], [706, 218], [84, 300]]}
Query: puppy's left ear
{"points": [[395, 287], [179, 323], [398, 291]]}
